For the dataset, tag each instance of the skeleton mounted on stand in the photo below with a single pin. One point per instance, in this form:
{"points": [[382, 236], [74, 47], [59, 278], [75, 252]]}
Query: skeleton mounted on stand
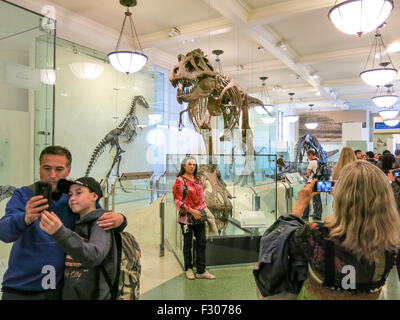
{"points": [[209, 94], [126, 132]]}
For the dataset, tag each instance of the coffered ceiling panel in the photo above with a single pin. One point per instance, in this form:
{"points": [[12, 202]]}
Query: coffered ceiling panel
{"points": [[312, 32], [238, 48], [254, 4], [239, 27], [149, 16]]}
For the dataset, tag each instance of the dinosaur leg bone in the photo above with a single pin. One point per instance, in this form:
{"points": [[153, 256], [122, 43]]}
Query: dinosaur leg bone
{"points": [[180, 126]]}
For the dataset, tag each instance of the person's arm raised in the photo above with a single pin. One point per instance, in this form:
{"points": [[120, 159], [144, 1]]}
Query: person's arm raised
{"points": [[304, 197]]}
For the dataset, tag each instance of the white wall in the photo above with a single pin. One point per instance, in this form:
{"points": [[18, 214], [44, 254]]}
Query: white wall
{"points": [[86, 110], [16, 128]]}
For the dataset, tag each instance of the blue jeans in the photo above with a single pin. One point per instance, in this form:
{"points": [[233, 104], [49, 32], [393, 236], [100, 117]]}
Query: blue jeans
{"points": [[317, 206]]}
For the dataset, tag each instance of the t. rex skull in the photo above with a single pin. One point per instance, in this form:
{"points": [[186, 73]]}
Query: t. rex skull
{"points": [[193, 75]]}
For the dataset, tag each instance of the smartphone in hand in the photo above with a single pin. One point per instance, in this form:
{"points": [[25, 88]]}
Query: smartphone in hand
{"points": [[44, 189], [323, 186]]}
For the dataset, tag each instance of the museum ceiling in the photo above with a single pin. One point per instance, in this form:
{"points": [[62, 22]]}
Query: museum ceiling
{"points": [[249, 31]]}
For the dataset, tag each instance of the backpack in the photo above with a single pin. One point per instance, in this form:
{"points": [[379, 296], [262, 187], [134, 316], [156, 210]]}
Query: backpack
{"points": [[323, 172], [277, 271], [126, 285], [127, 280]]}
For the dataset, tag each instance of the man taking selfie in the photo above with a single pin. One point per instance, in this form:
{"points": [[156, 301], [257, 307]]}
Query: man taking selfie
{"points": [[36, 263]]}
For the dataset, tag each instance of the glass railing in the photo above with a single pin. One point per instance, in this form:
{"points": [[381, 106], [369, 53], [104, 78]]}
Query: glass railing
{"points": [[243, 216], [292, 178], [145, 215]]}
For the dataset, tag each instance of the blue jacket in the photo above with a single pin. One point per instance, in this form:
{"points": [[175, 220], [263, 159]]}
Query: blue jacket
{"points": [[34, 254], [277, 271]]}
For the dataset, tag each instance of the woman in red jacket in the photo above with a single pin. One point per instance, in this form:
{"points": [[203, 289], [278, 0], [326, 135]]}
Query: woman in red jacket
{"points": [[189, 201]]}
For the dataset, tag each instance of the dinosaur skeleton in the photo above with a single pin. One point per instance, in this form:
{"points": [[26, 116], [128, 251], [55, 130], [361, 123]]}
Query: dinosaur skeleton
{"points": [[308, 142], [6, 191], [125, 132], [209, 93], [217, 197]]}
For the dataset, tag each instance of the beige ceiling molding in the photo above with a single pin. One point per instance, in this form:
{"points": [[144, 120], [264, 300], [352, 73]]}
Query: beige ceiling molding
{"points": [[333, 55], [284, 9], [160, 57], [268, 65], [194, 30], [78, 29], [350, 81], [286, 87], [265, 36]]}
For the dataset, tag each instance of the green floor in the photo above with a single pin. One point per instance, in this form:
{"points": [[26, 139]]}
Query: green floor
{"points": [[235, 283], [231, 284]]}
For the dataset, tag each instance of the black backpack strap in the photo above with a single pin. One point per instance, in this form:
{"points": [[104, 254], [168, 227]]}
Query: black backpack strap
{"points": [[113, 287], [109, 283]]}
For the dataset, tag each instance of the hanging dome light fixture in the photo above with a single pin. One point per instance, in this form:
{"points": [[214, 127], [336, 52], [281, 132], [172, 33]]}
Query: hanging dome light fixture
{"points": [[389, 113], [48, 76], [265, 98], [128, 61], [218, 65], [391, 122], [292, 117], [311, 125], [385, 72], [387, 99], [269, 120], [360, 16], [86, 70]]}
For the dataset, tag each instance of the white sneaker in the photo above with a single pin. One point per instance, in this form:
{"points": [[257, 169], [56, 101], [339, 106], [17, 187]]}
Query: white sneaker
{"points": [[205, 275], [190, 274]]}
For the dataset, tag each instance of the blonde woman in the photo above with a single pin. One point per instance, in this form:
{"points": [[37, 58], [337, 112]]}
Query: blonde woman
{"points": [[346, 156], [351, 254]]}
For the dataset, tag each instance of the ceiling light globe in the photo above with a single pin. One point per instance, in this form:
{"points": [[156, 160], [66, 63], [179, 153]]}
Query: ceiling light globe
{"points": [[385, 100], [86, 70], [360, 16], [389, 114], [268, 120], [378, 77], [311, 125], [127, 61], [391, 122], [48, 76]]}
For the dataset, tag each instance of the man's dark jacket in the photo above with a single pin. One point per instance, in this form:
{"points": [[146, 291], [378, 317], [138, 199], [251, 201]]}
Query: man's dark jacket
{"points": [[277, 271]]}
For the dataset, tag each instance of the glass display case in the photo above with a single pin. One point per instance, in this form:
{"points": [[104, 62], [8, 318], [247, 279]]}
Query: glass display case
{"points": [[26, 99], [253, 206], [93, 100], [291, 179]]}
